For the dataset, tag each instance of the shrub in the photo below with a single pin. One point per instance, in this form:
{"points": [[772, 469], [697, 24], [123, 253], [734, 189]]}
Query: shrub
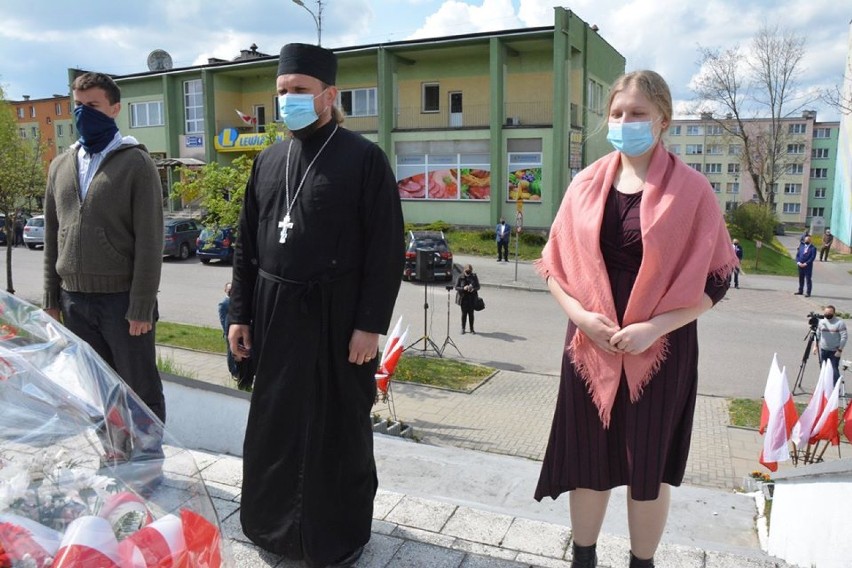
{"points": [[754, 221], [533, 239]]}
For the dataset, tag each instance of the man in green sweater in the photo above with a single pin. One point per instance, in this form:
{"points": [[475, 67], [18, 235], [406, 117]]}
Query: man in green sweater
{"points": [[103, 241]]}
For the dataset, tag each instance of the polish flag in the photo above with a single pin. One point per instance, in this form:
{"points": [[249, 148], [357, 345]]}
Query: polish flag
{"points": [[203, 541], [803, 431], [394, 346], [777, 418], [826, 426], [847, 419], [247, 118], [158, 545], [88, 541]]}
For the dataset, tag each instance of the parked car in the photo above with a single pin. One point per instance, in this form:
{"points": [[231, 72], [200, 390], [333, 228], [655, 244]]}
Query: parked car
{"points": [[34, 232], [179, 237], [3, 230], [441, 259], [216, 244]]}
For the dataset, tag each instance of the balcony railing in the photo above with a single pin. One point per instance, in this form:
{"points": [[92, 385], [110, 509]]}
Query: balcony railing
{"points": [[413, 118], [533, 113]]}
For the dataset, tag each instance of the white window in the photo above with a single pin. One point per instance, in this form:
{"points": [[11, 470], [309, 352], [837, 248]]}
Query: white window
{"points": [[730, 205], [32, 112], [797, 128], [34, 130], [696, 167], [819, 193], [595, 96], [795, 148], [712, 168], [733, 168], [260, 115], [792, 188], [817, 212], [717, 187], [819, 173], [674, 148], [692, 149], [146, 114], [22, 132], [675, 130], [714, 130], [819, 153], [431, 97], [735, 149], [733, 187], [795, 169], [20, 112], [193, 105], [792, 208], [358, 102], [694, 130], [59, 131], [714, 149], [58, 108], [822, 132]]}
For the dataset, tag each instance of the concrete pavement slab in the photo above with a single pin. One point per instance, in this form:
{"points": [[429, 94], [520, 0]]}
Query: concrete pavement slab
{"points": [[478, 526]]}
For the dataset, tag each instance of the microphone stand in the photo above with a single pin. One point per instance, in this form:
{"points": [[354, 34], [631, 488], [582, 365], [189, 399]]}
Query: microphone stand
{"points": [[449, 340]]}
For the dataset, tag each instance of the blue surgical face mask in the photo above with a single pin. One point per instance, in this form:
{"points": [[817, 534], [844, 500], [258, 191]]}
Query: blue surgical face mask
{"points": [[631, 138], [297, 110]]}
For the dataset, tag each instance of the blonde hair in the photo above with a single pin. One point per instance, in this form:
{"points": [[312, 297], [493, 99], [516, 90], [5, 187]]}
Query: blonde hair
{"points": [[651, 84]]}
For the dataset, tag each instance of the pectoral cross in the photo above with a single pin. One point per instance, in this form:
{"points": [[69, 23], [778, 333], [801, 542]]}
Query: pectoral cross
{"points": [[285, 225]]}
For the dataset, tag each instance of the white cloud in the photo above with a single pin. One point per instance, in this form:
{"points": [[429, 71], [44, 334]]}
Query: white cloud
{"points": [[456, 18]]}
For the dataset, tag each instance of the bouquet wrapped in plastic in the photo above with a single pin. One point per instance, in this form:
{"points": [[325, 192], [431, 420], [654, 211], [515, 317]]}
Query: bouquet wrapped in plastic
{"points": [[88, 474]]}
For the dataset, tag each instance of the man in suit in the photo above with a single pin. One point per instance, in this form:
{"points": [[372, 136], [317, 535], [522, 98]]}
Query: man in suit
{"points": [[503, 231], [805, 257], [738, 250]]}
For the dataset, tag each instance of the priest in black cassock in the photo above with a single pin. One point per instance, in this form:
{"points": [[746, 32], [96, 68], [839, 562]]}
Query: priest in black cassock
{"points": [[317, 268]]}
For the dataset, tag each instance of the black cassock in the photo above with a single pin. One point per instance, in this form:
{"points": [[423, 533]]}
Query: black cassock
{"points": [[309, 477]]}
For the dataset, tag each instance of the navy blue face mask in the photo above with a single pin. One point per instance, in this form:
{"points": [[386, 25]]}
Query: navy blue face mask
{"points": [[96, 129]]}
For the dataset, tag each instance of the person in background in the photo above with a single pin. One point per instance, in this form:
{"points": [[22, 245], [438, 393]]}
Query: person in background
{"points": [[831, 336], [628, 389], [19, 230], [317, 269], [503, 232], [805, 256], [738, 250], [827, 241], [467, 288], [224, 305]]}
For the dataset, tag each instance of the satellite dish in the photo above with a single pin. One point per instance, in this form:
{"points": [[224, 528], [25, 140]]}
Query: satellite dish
{"points": [[159, 60]]}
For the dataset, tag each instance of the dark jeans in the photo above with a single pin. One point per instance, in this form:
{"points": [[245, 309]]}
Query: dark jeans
{"points": [[503, 250], [99, 320], [823, 253], [834, 358], [735, 275], [805, 278], [465, 315]]}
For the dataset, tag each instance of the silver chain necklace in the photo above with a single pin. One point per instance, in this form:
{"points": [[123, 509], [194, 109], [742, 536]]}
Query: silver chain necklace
{"points": [[286, 223]]}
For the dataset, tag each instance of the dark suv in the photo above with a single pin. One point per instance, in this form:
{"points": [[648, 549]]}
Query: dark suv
{"points": [[179, 236], [216, 244], [433, 244]]}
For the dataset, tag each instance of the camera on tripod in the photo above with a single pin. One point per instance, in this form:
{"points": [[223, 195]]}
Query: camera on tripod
{"points": [[813, 319], [448, 287]]}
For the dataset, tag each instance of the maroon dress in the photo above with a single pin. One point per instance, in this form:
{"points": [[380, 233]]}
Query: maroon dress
{"points": [[647, 442]]}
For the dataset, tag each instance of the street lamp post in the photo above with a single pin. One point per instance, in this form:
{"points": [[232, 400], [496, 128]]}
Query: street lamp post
{"points": [[317, 17]]}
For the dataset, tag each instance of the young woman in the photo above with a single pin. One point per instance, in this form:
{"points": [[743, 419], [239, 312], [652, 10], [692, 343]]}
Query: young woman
{"points": [[467, 288], [638, 250]]}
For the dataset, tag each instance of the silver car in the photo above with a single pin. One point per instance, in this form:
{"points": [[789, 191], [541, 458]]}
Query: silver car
{"points": [[34, 232]]}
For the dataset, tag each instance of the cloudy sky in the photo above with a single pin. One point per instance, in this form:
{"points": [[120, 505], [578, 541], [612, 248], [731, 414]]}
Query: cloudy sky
{"points": [[40, 39]]}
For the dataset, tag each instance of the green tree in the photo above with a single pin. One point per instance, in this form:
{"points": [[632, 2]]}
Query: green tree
{"points": [[754, 221], [21, 176]]}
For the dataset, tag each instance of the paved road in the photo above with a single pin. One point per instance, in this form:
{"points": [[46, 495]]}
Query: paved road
{"points": [[522, 330]]}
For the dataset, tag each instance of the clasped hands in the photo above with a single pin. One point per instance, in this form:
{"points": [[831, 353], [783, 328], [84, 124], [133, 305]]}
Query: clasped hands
{"points": [[612, 338]]}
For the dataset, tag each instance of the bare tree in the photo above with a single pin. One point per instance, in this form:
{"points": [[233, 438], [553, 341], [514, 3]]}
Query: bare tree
{"points": [[748, 93], [840, 96], [21, 176]]}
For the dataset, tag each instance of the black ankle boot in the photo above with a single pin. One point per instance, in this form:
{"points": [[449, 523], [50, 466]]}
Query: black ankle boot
{"points": [[639, 563], [584, 556]]}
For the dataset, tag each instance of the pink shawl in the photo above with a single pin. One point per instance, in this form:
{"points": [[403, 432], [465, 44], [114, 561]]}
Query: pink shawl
{"points": [[684, 238]]}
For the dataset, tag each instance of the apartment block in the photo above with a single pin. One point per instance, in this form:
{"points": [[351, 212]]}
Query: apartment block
{"points": [[46, 121]]}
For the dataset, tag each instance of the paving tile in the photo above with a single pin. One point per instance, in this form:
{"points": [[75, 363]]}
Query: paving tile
{"points": [[227, 470], [409, 533], [421, 555], [421, 513], [724, 560], [480, 549], [536, 537], [245, 555], [222, 491], [527, 559], [384, 502], [229, 517], [478, 526], [379, 552], [476, 561], [382, 527]]}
